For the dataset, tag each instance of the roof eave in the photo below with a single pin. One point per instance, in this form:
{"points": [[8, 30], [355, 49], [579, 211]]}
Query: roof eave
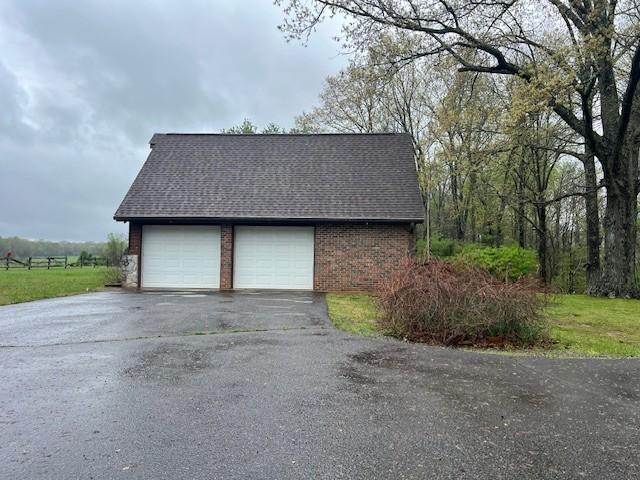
{"points": [[187, 219]]}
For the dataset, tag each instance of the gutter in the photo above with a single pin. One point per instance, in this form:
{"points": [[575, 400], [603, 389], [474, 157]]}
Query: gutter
{"points": [[284, 220]]}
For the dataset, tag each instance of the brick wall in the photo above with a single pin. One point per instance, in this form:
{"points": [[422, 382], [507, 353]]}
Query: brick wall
{"points": [[355, 257], [135, 238], [348, 257], [226, 256]]}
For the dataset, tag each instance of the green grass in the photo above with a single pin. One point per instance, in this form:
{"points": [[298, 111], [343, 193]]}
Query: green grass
{"points": [[580, 325], [18, 285], [596, 326], [353, 313]]}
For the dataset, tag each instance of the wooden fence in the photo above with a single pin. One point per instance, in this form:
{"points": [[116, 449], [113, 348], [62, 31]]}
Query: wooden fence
{"points": [[53, 262]]}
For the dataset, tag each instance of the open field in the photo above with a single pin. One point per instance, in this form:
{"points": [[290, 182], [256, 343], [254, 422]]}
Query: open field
{"points": [[579, 324], [19, 285]]}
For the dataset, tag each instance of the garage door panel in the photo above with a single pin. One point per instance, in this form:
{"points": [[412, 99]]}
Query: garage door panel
{"points": [[191, 263], [196, 279], [170, 261], [180, 256], [273, 257]]}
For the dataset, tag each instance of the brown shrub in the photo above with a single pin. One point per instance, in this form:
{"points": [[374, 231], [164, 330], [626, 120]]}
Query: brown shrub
{"points": [[445, 303]]}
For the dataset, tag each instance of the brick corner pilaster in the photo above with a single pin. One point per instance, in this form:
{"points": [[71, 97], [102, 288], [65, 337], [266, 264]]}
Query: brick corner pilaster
{"points": [[226, 257]]}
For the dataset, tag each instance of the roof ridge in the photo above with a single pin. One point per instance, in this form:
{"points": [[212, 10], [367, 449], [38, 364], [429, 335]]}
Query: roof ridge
{"points": [[214, 134]]}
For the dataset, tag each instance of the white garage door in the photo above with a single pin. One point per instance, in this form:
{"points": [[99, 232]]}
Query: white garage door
{"points": [[273, 257], [175, 256]]}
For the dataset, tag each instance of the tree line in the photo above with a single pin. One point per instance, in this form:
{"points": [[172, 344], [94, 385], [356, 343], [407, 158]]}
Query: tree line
{"points": [[525, 119], [23, 247], [111, 250]]}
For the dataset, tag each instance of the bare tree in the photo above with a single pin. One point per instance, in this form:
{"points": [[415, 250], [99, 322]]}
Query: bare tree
{"points": [[350, 102], [370, 97]]}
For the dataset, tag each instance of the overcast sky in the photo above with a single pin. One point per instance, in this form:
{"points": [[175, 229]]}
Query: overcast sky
{"points": [[84, 85]]}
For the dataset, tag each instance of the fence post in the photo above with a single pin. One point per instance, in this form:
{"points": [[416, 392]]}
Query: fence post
{"points": [[29, 264], [65, 262], [7, 258], [48, 263], [81, 262]]}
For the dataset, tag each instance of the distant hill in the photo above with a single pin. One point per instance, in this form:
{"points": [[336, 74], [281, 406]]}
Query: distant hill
{"points": [[22, 247]]}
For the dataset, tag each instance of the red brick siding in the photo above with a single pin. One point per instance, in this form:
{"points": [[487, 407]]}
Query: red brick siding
{"points": [[355, 257], [348, 257], [226, 256], [135, 238]]}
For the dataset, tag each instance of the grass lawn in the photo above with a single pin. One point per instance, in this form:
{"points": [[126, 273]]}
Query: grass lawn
{"points": [[18, 285], [579, 324], [353, 313], [596, 326]]}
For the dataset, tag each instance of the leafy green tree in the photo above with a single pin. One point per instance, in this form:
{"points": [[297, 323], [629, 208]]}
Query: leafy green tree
{"points": [[273, 128], [115, 248], [85, 257], [246, 127]]}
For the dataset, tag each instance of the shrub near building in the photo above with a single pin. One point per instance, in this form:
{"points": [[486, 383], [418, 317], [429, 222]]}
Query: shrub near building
{"points": [[506, 262], [454, 303]]}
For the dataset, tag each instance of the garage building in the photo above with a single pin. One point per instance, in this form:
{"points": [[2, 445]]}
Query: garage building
{"points": [[328, 212]]}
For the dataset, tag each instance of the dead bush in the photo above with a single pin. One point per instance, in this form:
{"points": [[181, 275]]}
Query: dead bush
{"points": [[457, 304]]}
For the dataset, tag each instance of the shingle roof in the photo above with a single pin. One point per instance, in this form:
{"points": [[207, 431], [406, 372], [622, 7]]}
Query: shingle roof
{"points": [[278, 177]]}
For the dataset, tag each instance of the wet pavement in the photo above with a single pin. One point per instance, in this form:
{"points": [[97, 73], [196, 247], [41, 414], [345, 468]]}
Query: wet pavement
{"points": [[120, 315], [260, 385]]}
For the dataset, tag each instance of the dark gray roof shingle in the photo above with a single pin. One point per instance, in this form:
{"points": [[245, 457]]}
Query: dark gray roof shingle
{"points": [[303, 177]]}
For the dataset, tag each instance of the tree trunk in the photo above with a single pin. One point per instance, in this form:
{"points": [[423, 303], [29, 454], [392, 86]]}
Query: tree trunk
{"points": [[456, 197], [618, 273], [555, 242], [541, 213], [593, 223], [427, 221], [470, 210], [499, 235], [520, 209], [520, 227]]}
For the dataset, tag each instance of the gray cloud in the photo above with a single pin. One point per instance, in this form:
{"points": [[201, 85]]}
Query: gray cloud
{"points": [[83, 85]]}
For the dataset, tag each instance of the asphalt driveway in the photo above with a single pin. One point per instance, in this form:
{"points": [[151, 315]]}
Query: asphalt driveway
{"points": [[260, 385], [121, 315]]}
